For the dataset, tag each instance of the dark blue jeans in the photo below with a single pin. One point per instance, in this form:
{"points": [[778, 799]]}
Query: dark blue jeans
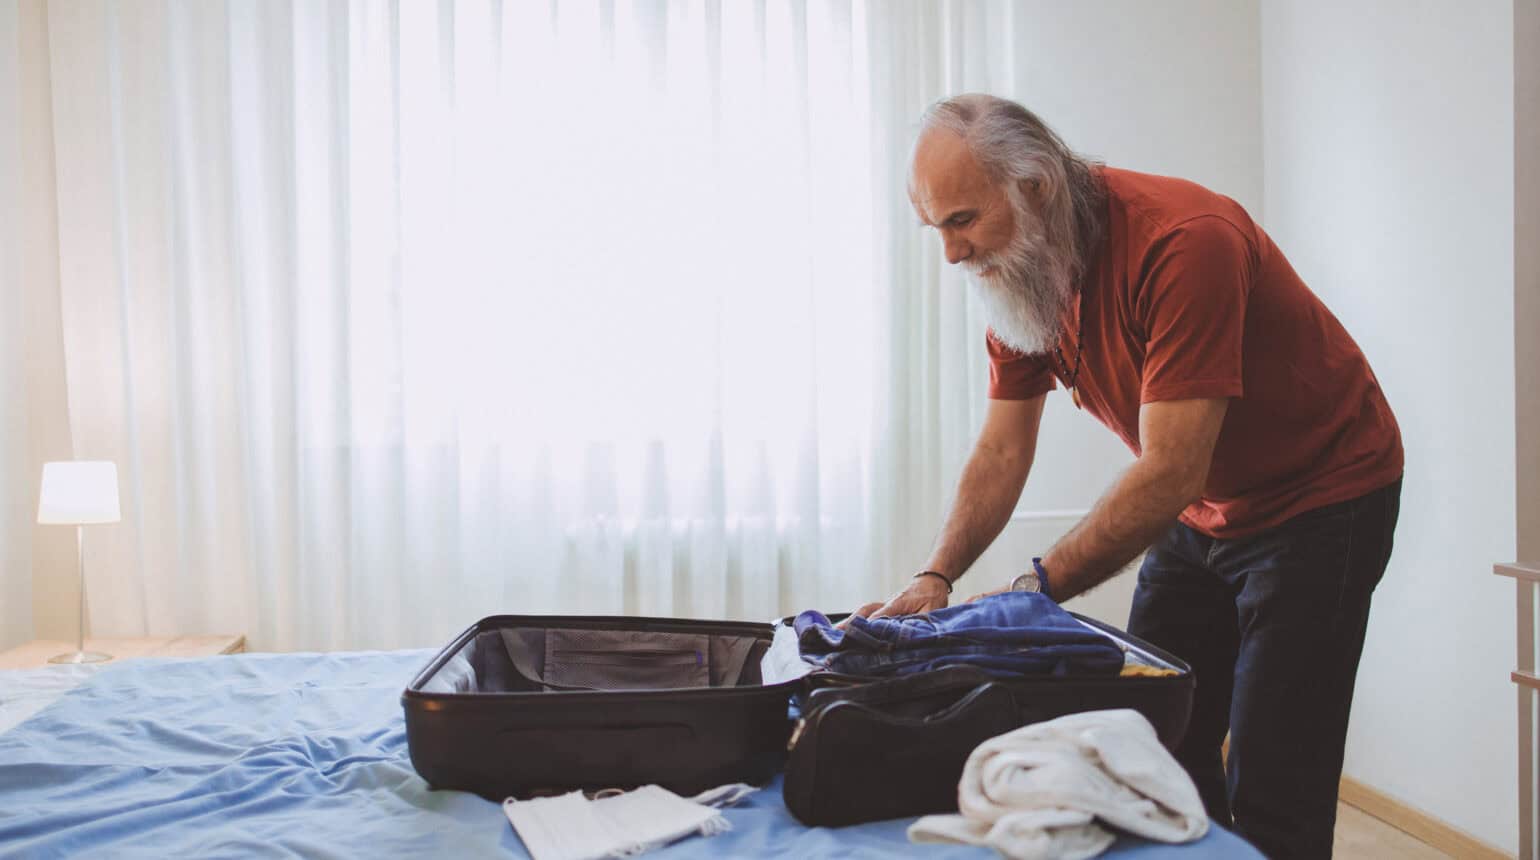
{"points": [[1273, 626]]}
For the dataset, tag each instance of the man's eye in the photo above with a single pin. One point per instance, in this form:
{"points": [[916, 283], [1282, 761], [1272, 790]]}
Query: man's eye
{"points": [[962, 220]]}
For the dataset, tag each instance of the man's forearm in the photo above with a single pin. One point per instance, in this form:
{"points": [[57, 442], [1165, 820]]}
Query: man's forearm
{"points": [[986, 494], [1143, 503]]}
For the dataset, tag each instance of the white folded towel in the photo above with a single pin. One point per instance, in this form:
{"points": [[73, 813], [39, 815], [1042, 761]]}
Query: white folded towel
{"points": [[572, 827], [1039, 791]]}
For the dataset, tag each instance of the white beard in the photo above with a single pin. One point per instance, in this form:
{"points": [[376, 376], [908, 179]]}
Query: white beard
{"points": [[1028, 291]]}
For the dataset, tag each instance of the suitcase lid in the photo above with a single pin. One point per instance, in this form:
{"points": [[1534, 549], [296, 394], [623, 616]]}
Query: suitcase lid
{"points": [[428, 688]]}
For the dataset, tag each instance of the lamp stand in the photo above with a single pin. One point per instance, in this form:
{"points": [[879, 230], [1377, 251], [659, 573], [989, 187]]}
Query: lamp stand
{"points": [[80, 654]]}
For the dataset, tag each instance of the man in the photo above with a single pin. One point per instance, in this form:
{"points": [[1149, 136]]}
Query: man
{"points": [[1267, 483]]}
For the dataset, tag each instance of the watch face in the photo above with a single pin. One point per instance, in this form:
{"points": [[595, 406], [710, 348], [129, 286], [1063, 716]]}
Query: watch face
{"points": [[1025, 582]]}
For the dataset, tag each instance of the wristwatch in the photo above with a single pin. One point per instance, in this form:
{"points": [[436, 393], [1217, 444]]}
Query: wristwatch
{"points": [[1035, 579], [1028, 581]]}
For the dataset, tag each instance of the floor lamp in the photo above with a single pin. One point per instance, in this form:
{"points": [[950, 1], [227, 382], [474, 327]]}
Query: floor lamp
{"points": [[79, 493]]}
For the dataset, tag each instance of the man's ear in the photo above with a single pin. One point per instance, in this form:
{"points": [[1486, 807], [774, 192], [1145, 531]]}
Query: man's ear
{"points": [[1032, 189]]}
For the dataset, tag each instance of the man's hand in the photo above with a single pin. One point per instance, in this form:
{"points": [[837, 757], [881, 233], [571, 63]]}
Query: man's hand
{"points": [[924, 594]]}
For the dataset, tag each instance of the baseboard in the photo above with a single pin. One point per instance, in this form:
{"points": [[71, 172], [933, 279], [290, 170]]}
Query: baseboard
{"points": [[1445, 837]]}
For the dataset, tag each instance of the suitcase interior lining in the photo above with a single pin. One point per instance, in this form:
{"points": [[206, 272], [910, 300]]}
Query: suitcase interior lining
{"points": [[555, 659], [1133, 654]]}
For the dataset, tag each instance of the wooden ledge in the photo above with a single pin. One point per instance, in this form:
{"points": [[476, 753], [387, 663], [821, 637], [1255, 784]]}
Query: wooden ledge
{"points": [[1517, 571]]}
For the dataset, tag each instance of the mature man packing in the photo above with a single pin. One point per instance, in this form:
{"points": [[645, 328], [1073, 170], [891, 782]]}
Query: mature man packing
{"points": [[1268, 477]]}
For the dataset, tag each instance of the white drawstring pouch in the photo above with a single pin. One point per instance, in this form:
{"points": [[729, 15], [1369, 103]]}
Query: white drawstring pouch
{"points": [[621, 824]]}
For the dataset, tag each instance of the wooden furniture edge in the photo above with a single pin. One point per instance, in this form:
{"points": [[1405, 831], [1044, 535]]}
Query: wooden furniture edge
{"points": [[35, 653]]}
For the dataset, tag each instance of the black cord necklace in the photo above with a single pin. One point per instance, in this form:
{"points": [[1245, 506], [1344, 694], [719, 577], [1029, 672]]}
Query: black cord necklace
{"points": [[1072, 375]]}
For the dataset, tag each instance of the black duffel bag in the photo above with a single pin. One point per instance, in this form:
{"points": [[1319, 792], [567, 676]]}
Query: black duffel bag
{"points": [[866, 750]]}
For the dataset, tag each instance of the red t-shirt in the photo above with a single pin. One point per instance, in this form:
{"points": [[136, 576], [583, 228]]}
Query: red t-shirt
{"points": [[1190, 299]]}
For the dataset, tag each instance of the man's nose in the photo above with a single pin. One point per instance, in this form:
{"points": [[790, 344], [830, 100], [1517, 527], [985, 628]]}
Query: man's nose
{"points": [[957, 250]]}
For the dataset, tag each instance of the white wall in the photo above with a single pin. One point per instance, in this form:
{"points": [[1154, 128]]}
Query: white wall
{"points": [[1526, 223], [55, 578], [1166, 88], [15, 549], [1388, 142], [38, 589]]}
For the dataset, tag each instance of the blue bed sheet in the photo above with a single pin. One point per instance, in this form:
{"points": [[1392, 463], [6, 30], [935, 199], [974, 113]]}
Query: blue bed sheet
{"points": [[305, 755]]}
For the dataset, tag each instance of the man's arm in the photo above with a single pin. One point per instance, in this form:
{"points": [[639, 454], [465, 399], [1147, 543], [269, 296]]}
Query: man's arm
{"points": [[990, 485], [1177, 440]]}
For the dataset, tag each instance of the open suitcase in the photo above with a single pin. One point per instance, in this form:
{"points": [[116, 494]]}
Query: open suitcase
{"points": [[520, 705]]}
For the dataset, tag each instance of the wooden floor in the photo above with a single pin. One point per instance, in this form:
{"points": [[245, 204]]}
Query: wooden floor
{"points": [[1361, 836]]}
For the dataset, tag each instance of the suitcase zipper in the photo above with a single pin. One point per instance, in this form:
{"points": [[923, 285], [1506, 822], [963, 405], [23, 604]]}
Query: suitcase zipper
{"points": [[796, 734], [627, 657], [640, 652]]}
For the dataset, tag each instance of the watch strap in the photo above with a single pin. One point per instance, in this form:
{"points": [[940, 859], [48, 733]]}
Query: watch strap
{"points": [[1042, 578]]}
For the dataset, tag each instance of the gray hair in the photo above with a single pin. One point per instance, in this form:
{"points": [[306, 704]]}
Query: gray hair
{"points": [[1013, 145]]}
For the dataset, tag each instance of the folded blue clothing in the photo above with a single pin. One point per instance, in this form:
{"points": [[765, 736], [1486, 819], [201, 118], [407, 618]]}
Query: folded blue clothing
{"points": [[1010, 634]]}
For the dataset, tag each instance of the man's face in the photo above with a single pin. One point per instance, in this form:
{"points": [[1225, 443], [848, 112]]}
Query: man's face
{"points": [[953, 194], [1023, 282]]}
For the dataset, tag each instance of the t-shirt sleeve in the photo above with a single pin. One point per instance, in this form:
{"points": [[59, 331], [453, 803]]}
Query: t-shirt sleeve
{"points": [[1014, 375], [1192, 307]]}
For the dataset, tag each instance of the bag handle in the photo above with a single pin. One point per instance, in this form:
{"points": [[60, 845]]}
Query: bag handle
{"points": [[946, 714], [825, 687]]}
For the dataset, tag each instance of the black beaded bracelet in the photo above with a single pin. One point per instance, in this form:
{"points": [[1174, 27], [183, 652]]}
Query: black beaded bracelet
{"points": [[936, 573]]}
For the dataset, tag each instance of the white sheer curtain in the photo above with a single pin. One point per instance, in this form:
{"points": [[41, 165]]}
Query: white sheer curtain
{"points": [[399, 314]]}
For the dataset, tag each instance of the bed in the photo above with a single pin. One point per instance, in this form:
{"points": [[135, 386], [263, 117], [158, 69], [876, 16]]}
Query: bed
{"points": [[304, 755]]}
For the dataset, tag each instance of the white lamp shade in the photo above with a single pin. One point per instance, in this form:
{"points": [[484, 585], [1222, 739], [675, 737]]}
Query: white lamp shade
{"points": [[78, 493]]}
